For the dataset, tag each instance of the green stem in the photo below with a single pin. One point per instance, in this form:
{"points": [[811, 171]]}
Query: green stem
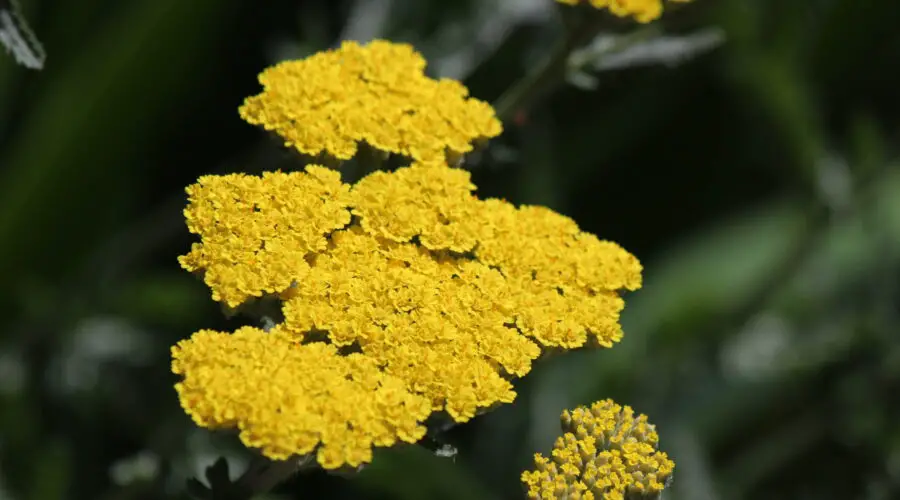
{"points": [[552, 70], [549, 73], [262, 475]]}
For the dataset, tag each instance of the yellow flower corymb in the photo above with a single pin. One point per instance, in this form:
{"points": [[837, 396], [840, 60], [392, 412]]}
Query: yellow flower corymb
{"points": [[564, 282], [377, 93], [289, 399], [605, 453], [439, 324], [434, 204], [643, 11], [256, 231], [447, 295]]}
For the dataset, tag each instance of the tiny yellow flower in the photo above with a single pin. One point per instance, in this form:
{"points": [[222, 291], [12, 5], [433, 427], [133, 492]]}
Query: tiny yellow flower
{"points": [[377, 93], [605, 452]]}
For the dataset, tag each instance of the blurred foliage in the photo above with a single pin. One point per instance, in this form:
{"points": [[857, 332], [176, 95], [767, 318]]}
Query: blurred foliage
{"points": [[758, 182]]}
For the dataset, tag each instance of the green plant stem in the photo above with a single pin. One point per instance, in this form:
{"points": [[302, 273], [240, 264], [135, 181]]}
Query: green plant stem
{"points": [[549, 73], [552, 70], [262, 475]]}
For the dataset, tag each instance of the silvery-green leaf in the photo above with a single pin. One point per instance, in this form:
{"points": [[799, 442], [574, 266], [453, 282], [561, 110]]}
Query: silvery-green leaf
{"points": [[582, 80], [18, 38], [611, 52]]}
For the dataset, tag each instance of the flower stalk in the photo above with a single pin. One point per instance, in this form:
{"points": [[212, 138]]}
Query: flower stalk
{"points": [[261, 476], [550, 72]]}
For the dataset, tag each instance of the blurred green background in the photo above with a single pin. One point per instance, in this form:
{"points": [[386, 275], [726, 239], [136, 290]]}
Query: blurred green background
{"points": [[757, 180]]}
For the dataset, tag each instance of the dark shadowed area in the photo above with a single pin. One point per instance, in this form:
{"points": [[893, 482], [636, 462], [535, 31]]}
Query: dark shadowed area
{"points": [[749, 158]]}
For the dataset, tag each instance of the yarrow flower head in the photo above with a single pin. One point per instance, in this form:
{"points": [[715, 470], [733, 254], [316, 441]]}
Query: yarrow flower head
{"points": [[376, 93], [643, 11], [606, 452], [406, 283]]}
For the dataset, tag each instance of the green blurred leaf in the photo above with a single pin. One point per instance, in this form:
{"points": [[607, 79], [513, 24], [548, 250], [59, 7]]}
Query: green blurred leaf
{"points": [[75, 145], [412, 473], [164, 299], [51, 477]]}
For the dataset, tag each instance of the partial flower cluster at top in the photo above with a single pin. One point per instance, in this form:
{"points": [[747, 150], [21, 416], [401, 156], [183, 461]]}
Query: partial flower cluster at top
{"points": [[606, 452], [402, 295], [376, 93], [643, 11]]}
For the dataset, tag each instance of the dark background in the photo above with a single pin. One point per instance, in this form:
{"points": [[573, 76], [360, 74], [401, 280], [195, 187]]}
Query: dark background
{"points": [[757, 182]]}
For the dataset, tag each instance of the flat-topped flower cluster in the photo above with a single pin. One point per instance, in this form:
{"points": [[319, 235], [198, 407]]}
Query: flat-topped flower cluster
{"points": [[377, 93], [400, 297], [438, 298]]}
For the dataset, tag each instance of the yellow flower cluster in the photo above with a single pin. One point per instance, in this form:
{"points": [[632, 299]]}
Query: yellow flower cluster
{"points": [[287, 398], [258, 230], [377, 93], [605, 453], [643, 11], [423, 282]]}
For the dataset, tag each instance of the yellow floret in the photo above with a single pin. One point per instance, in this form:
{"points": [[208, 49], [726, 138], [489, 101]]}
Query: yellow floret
{"points": [[289, 399], [377, 93], [606, 452]]}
